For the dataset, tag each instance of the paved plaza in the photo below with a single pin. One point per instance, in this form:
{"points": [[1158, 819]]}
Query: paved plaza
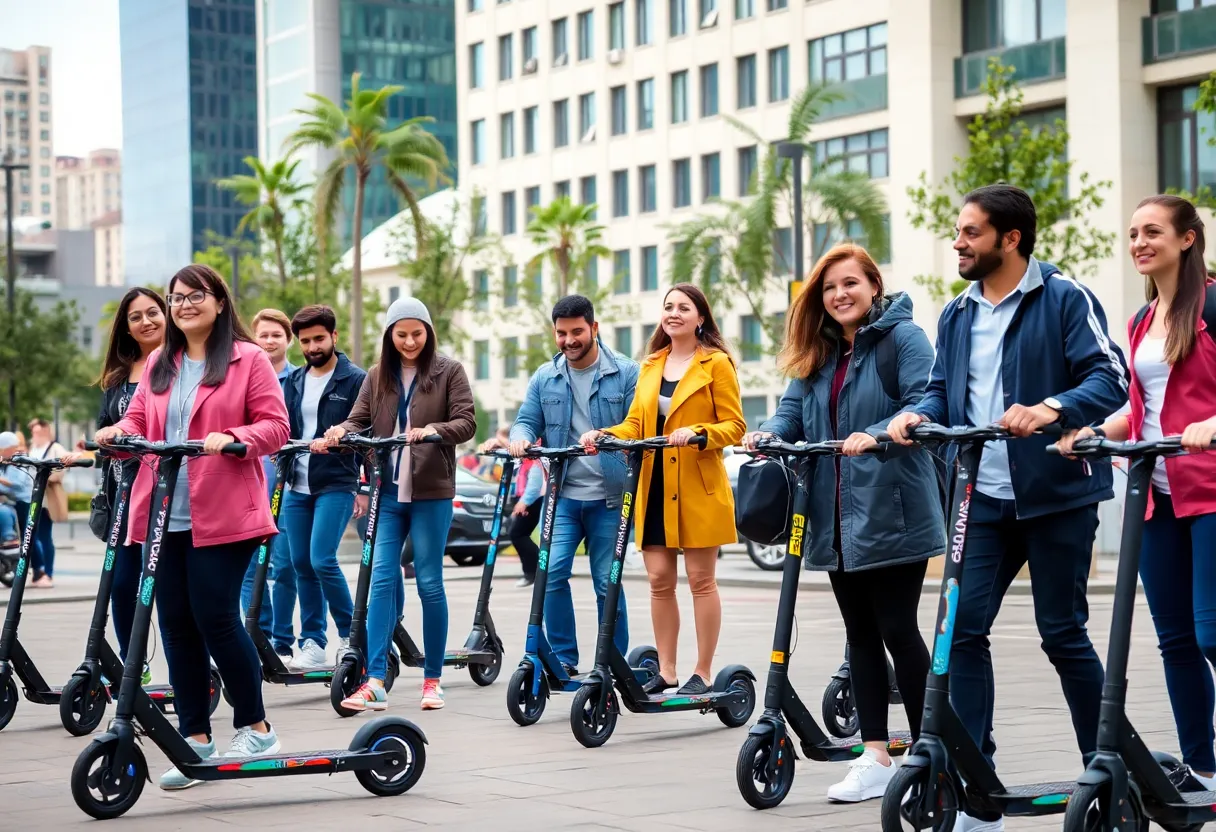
{"points": [[672, 771]]}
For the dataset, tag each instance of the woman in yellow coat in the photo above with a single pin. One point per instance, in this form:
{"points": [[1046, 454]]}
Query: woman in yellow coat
{"points": [[687, 387]]}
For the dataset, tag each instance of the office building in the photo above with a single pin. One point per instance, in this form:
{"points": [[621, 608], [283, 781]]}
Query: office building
{"points": [[624, 103], [27, 129], [87, 189], [189, 99]]}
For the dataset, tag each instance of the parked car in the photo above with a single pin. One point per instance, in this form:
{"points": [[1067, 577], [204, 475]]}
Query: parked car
{"points": [[768, 558]]}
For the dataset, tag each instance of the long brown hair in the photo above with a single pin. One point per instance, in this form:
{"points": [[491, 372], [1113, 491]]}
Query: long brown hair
{"points": [[388, 369], [811, 334], [1183, 315], [708, 335], [123, 350], [225, 332]]}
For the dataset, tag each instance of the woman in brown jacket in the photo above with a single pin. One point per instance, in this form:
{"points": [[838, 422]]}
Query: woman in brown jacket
{"points": [[416, 392]]}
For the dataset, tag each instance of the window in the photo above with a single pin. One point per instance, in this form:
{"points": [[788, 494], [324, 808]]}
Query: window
{"points": [[592, 275], [755, 411], [825, 235], [506, 135], [679, 97], [560, 48], [709, 90], [531, 200], [650, 268], [862, 152], [586, 190], [480, 219], [586, 117], [681, 183], [709, 13], [711, 176], [481, 360], [623, 338], [745, 82], [478, 141], [616, 26], [508, 212], [44, 98], [847, 56], [783, 250], [529, 45], [561, 123], [620, 109], [647, 189], [476, 65], [779, 74], [751, 348], [586, 35], [510, 286], [777, 5], [1185, 158], [745, 9], [476, 5], [642, 22], [510, 357], [646, 104], [620, 193], [481, 290], [620, 273], [747, 170], [677, 18], [995, 24], [561, 189], [531, 128], [506, 57]]}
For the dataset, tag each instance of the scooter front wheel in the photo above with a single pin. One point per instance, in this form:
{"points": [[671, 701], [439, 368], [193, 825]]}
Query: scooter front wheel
{"points": [[485, 674], [591, 726], [524, 708], [1089, 806], [81, 706], [8, 702], [344, 683], [760, 788], [906, 802], [404, 770], [99, 790], [839, 710]]}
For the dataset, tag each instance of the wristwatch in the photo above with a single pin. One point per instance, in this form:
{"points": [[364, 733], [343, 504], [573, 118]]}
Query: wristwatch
{"points": [[1054, 404]]}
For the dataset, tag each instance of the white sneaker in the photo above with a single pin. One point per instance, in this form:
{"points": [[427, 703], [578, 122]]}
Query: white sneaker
{"points": [[173, 780], [311, 657], [249, 743], [343, 646], [966, 823], [866, 780]]}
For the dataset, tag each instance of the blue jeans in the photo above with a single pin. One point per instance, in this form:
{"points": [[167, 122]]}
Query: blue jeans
{"points": [[44, 551], [1178, 568], [1058, 549], [576, 521], [10, 529], [427, 523], [314, 527], [277, 617]]}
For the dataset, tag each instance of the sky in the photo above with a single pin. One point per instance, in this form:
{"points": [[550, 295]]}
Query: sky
{"points": [[86, 83]]}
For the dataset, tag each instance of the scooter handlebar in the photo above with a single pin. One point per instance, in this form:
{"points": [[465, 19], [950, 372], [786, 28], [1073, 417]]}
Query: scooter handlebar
{"points": [[611, 443], [931, 432], [538, 452], [1097, 447], [399, 441], [30, 462], [137, 444]]}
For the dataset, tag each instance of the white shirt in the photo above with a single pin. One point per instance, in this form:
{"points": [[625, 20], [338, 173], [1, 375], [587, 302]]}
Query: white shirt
{"points": [[314, 387], [1153, 372]]}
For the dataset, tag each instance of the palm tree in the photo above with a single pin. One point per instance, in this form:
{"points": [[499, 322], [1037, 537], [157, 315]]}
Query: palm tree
{"points": [[361, 140], [569, 238], [270, 192]]}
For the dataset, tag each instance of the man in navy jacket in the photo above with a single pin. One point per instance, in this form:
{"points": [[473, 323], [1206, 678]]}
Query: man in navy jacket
{"points": [[1023, 347]]}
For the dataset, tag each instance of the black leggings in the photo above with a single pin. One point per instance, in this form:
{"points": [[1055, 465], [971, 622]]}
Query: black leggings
{"points": [[522, 526], [879, 611]]}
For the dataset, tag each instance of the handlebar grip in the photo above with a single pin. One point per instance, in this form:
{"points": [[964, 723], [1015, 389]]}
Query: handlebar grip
{"points": [[90, 445], [235, 449], [699, 441], [81, 463], [433, 439]]}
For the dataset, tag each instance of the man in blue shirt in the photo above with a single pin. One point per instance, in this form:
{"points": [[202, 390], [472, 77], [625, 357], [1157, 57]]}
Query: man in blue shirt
{"points": [[1023, 347], [585, 386]]}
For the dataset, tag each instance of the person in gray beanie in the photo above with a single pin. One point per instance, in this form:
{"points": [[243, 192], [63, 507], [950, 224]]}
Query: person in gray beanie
{"points": [[412, 390]]}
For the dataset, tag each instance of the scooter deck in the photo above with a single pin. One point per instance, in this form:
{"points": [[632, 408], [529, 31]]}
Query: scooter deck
{"points": [[1041, 794], [1199, 798], [898, 742], [319, 762], [462, 656]]}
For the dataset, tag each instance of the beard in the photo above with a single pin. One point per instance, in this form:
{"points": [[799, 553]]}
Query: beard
{"points": [[319, 359], [982, 266], [578, 353]]}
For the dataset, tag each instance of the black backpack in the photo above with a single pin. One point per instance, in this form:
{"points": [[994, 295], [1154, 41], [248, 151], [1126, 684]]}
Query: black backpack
{"points": [[1209, 312]]}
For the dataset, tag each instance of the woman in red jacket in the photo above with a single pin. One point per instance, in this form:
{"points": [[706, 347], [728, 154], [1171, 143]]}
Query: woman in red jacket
{"points": [[210, 381], [1173, 392]]}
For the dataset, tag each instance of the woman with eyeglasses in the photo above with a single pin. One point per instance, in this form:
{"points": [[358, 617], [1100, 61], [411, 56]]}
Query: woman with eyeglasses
{"points": [[209, 382]]}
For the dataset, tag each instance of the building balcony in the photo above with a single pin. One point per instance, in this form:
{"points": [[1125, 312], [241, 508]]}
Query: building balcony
{"points": [[861, 95], [1032, 63], [1177, 34]]}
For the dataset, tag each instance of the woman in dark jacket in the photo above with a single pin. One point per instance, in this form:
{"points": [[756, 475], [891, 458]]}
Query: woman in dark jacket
{"points": [[875, 519]]}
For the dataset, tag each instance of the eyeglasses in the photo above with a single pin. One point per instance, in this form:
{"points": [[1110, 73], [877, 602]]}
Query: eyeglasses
{"points": [[137, 318], [194, 298]]}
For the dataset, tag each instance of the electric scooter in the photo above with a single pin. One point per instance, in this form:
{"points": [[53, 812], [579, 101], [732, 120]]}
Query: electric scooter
{"points": [[594, 711], [764, 770], [83, 699], [1125, 784], [540, 671], [387, 755], [945, 772], [839, 708], [482, 652], [86, 696]]}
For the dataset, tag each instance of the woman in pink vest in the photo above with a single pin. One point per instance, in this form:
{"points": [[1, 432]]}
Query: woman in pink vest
{"points": [[211, 382], [1173, 393]]}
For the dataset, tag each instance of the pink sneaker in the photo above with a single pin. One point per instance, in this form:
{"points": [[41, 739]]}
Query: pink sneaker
{"points": [[366, 698], [432, 695]]}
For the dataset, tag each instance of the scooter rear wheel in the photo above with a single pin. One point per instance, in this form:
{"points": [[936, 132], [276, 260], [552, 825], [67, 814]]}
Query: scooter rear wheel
{"points": [[8, 702], [399, 777], [485, 674], [1089, 806], [760, 789], [899, 814], [345, 681], [82, 707], [839, 710], [590, 726], [739, 714], [524, 708], [393, 669], [98, 790]]}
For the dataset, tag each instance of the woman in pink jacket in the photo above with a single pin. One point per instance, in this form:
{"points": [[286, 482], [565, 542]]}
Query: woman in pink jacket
{"points": [[210, 381]]}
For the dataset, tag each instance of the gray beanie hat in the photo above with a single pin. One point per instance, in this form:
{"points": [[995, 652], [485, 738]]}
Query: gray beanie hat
{"points": [[407, 309]]}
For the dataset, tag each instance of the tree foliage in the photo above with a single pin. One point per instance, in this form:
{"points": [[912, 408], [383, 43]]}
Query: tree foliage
{"points": [[38, 350], [1003, 147], [270, 192]]}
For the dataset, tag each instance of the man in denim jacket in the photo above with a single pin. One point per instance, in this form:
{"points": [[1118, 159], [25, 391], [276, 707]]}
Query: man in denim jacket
{"points": [[585, 386]]}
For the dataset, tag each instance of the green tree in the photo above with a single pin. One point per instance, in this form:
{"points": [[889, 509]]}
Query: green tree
{"points": [[362, 141], [730, 250], [39, 351], [270, 192], [1002, 147], [568, 237]]}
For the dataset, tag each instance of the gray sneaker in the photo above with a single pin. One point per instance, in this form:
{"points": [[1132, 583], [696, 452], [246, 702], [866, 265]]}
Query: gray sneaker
{"points": [[173, 780], [249, 743]]}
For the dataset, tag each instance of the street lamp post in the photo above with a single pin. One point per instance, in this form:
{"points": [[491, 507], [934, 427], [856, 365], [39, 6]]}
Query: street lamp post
{"points": [[11, 273]]}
